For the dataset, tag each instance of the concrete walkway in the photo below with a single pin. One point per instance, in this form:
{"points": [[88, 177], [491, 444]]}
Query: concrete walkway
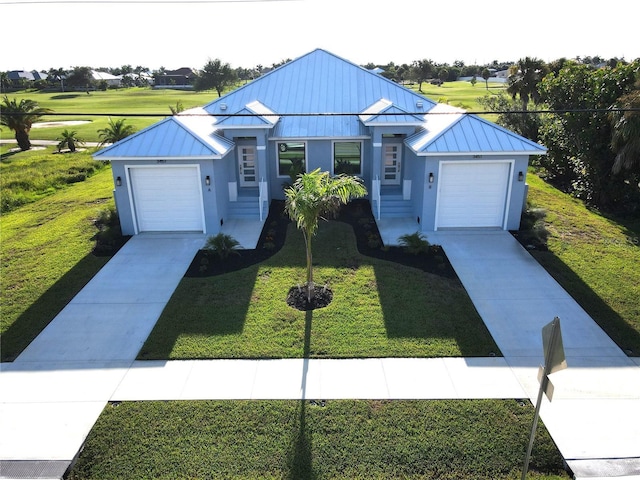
{"points": [[594, 417], [51, 396]]}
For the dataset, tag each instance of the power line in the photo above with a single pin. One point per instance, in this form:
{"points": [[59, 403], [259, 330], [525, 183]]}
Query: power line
{"points": [[91, 2], [330, 114]]}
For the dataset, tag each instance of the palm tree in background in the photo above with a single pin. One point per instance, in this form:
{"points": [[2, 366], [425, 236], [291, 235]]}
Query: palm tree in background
{"points": [[316, 195], [69, 139], [115, 132], [625, 139], [19, 117], [524, 78]]}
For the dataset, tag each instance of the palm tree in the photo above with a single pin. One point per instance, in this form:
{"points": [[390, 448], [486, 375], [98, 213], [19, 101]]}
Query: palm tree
{"points": [[315, 195], [69, 139], [524, 79], [115, 132], [19, 116], [486, 74], [625, 139]]}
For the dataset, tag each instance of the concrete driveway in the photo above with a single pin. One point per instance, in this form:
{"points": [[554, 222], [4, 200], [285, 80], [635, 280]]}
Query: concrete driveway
{"points": [[53, 393], [594, 417]]}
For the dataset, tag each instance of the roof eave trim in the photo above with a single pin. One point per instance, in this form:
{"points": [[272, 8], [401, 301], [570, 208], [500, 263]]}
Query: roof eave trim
{"points": [[488, 153], [165, 157], [244, 127], [309, 137], [394, 124]]}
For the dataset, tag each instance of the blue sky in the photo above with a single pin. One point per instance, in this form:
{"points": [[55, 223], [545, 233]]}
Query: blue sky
{"points": [[247, 33]]}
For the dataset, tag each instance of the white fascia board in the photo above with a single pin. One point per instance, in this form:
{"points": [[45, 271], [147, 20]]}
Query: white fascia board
{"points": [[417, 123], [154, 159], [482, 154], [337, 139], [245, 127]]}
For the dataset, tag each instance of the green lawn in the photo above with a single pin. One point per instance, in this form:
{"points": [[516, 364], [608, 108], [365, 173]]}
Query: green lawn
{"points": [[379, 309], [45, 248], [596, 259], [344, 439], [127, 100], [26, 177], [461, 94]]}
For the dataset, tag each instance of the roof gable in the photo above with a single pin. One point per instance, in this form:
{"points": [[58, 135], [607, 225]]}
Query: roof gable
{"points": [[450, 130], [174, 137], [253, 115], [383, 112]]}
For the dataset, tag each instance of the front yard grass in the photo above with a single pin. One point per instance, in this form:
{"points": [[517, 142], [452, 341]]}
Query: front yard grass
{"points": [[28, 176], [46, 256], [596, 259], [379, 309], [286, 439]]}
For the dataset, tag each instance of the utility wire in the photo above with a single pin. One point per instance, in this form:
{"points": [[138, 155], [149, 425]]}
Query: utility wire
{"points": [[328, 114], [91, 2]]}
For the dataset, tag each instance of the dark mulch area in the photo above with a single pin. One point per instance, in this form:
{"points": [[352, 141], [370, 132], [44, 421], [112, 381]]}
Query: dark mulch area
{"points": [[357, 214], [299, 299], [274, 233]]}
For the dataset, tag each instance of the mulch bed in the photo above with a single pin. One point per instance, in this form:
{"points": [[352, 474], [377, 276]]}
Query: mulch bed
{"points": [[357, 214]]}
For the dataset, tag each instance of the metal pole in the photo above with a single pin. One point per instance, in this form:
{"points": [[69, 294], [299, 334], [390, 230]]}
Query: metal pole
{"points": [[543, 386]]}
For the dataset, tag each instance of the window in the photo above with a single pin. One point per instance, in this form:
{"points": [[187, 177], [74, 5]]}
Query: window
{"points": [[347, 158], [291, 159]]}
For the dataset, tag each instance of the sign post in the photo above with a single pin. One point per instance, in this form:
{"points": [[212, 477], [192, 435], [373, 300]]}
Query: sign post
{"points": [[554, 360]]}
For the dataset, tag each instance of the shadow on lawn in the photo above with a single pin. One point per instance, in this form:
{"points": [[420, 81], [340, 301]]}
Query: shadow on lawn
{"points": [[300, 456], [42, 311], [623, 334]]}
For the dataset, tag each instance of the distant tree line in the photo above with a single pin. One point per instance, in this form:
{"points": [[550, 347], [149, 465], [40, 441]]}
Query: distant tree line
{"points": [[588, 117]]}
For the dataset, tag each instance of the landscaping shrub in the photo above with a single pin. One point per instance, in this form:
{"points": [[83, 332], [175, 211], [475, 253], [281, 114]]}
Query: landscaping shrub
{"points": [[414, 243], [222, 245]]}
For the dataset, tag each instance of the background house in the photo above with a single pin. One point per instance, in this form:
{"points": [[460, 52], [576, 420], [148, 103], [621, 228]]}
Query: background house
{"points": [[431, 165], [180, 78]]}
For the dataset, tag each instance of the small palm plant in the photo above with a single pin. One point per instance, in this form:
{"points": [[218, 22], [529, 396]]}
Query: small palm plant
{"points": [[315, 195], [414, 243], [69, 139], [115, 132], [222, 245]]}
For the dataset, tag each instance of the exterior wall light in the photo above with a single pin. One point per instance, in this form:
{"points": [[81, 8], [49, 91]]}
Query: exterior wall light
{"points": [[118, 181], [430, 177], [520, 176], [207, 180]]}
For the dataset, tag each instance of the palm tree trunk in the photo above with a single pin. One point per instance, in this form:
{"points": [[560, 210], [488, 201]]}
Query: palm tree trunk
{"points": [[22, 137], [310, 287]]}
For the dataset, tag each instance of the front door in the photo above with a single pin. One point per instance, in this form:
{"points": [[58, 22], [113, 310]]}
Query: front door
{"points": [[391, 163], [247, 166]]}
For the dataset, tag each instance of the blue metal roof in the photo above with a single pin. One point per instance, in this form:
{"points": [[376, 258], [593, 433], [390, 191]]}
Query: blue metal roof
{"points": [[321, 82], [174, 137], [449, 130]]}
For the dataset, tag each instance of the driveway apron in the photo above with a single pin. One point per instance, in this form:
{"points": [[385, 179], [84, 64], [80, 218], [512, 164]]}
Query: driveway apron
{"points": [[594, 416], [53, 393]]}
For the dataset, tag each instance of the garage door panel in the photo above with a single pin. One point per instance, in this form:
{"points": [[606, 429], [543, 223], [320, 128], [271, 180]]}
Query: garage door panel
{"points": [[473, 195], [167, 199]]}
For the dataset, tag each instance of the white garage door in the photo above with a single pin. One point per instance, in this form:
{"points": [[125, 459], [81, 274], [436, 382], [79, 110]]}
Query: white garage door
{"points": [[167, 199], [472, 194]]}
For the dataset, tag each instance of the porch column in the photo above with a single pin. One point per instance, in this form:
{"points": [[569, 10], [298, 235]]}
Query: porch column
{"points": [[376, 161], [261, 152]]}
